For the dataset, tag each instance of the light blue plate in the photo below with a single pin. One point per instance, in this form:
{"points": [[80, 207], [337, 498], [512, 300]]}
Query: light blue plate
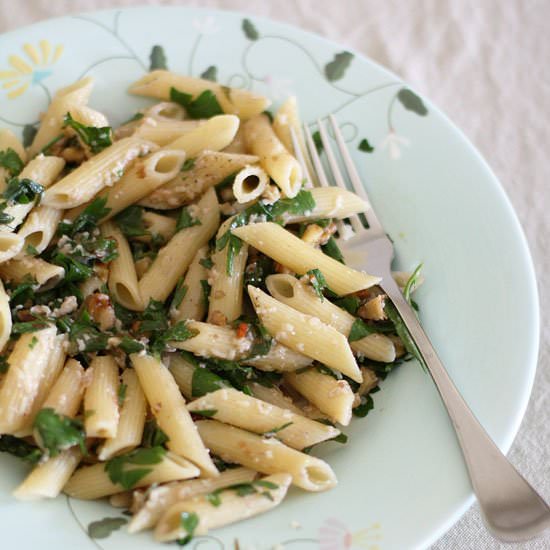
{"points": [[402, 482]]}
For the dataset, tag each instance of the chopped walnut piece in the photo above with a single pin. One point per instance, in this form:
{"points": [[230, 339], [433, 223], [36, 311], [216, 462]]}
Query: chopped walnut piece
{"points": [[100, 308], [373, 309], [142, 265], [217, 318], [73, 155]]}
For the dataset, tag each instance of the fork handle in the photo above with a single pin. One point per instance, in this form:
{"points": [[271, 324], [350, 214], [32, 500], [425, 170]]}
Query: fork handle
{"points": [[513, 510]]}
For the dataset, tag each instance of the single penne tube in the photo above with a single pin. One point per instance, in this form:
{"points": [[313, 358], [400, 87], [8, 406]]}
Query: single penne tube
{"points": [[160, 499], [168, 407], [133, 408], [192, 305], [163, 132], [305, 334], [42, 170], [5, 317], [281, 166], [294, 293], [66, 394], [249, 184], [101, 414], [226, 295], [93, 482], [88, 116], [330, 202], [231, 508], [286, 118], [45, 274], [28, 362], [54, 366], [159, 226], [332, 397], [122, 282], [166, 111], [266, 455], [236, 101], [274, 396], [279, 244], [238, 144], [279, 359], [65, 99], [39, 228], [174, 258], [48, 478], [145, 175], [208, 169], [11, 245], [214, 341], [238, 409], [100, 171]]}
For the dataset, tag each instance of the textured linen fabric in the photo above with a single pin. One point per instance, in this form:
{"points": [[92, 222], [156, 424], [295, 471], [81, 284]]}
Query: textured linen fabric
{"points": [[485, 64]]}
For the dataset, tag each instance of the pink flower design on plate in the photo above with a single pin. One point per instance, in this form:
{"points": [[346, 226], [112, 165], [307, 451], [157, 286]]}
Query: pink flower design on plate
{"points": [[334, 535]]}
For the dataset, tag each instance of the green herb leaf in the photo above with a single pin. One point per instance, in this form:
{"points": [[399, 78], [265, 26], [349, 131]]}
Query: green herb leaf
{"points": [[29, 132], [189, 522], [411, 284], [365, 146], [4, 365], [412, 102], [211, 73], [205, 287], [121, 394], [336, 69], [366, 405], [153, 436], [179, 294], [22, 191], [359, 330], [96, 139], [11, 161], [207, 263], [129, 345], [157, 58], [273, 431], [205, 381], [20, 448], [130, 221], [186, 220], [87, 220], [103, 528], [250, 30], [31, 250], [119, 471], [318, 282], [214, 499], [204, 106], [349, 303], [30, 326], [59, 432], [189, 164]]}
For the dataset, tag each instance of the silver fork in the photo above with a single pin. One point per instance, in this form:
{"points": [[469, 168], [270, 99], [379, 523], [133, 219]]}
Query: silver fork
{"points": [[512, 509]]}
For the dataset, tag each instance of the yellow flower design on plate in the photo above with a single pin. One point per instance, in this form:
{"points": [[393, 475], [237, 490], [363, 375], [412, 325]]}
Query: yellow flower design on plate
{"points": [[29, 69]]}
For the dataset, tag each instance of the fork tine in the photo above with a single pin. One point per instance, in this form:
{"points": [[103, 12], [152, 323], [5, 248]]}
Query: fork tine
{"points": [[358, 187], [315, 158], [300, 158], [338, 178]]}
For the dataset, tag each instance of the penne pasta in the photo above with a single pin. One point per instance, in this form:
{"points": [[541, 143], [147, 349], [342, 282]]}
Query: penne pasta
{"points": [[249, 184], [102, 170], [305, 333], [39, 228], [168, 406], [206, 170], [101, 414], [243, 411], [281, 166], [281, 245], [160, 499], [162, 131], [5, 317], [267, 455], [240, 102], [331, 396], [232, 507], [45, 274], [92, 482], [132, 418], [11, 245], [174, 258]]}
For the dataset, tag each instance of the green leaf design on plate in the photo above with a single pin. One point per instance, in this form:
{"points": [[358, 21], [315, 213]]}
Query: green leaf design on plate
{"points": [[29, 131], [250, 31], [412, 102], [103, 528], [365, 146], [158, 58], [335, 69], [211, 73]]}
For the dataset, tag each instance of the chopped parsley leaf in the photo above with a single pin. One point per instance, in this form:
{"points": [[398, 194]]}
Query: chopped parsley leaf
{"points": [[121, 394], [20, 448], [130, 221], [203, 106], [11, 161], [359, 330], [58, 432], [189, 522], [206, 412], [22, 191], [96, 139], [186, 220], [120, 469], [318, 282], [153, 436]]}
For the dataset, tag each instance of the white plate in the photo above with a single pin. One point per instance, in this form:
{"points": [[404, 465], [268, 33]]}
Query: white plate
{"points": [[402, 482]]}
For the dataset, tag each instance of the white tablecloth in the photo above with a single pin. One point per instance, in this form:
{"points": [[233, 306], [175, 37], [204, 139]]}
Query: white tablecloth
{"points": [[486, 63]]}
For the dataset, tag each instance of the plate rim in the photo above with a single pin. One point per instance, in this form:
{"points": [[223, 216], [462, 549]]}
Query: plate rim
{"points": [[524, 250]]}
